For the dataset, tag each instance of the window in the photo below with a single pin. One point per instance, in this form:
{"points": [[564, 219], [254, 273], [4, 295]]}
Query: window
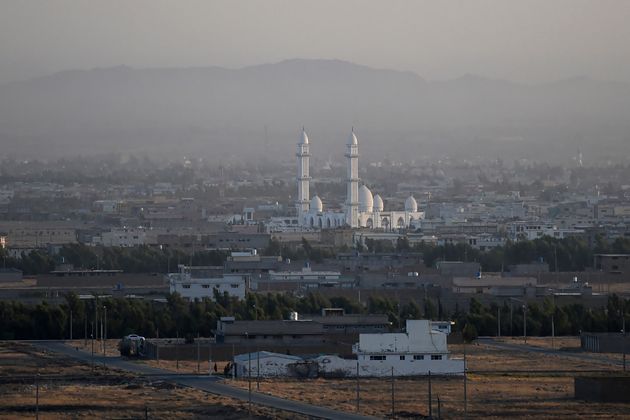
{"points": [[418, 357], [186, 286], [205, 286], [377, 357], [436, 357], [234, 286], [402, 357]]}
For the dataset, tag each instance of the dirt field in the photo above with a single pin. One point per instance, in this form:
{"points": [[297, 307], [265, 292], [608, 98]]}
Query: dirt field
{"points": [[71, 390], [513, 385], [568, 344]]}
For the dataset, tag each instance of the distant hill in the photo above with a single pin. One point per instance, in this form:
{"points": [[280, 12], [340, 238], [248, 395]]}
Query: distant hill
{"points": [[216, 112]]}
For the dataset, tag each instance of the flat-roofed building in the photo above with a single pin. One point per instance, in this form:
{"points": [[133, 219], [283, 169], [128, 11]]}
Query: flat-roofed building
{"points": [[199, 282], [612, 263]]}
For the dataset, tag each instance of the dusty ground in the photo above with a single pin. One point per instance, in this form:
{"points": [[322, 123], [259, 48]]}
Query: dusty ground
{"points": [[565, 344], [71, 390], [186, 366], [558, 343], [111, 346], [536, 386]]}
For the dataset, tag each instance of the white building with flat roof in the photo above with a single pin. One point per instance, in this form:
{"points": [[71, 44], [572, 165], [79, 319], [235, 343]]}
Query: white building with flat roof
{"points": [[196, 283], [417, 351]]}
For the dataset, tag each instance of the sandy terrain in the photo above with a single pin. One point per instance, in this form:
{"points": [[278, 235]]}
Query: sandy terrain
{"points": [[70, 390]]}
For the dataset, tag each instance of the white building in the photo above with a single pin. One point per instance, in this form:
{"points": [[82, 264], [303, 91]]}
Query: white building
{"points": [[200, 282], [125, 237], [522, 230], [361, 208], [264, 364], [306, 278], [417, 351]]}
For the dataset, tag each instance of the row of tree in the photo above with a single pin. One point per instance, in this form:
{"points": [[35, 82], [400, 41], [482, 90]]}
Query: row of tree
{"points": [[568, 254], [177, 316], [141, 259]]}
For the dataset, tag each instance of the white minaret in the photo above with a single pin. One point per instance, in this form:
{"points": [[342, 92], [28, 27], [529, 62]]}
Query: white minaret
{"points": [[352, 194], [303, 178]]}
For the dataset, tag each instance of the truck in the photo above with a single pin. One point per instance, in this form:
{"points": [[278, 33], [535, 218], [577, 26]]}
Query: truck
{"points": [[131, 345]]}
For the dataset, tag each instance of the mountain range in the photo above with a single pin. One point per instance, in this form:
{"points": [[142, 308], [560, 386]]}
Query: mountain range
{"points": [[215, 113]]}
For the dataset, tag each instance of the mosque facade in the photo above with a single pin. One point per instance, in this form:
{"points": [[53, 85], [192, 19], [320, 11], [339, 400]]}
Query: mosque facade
{"points": [[361, 209]]}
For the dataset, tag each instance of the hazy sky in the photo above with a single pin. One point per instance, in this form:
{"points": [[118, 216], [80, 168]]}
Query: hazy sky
{"points": [[529, 41]]}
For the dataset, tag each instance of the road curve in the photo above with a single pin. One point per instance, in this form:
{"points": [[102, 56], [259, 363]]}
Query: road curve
{"points": [[211, 384]]}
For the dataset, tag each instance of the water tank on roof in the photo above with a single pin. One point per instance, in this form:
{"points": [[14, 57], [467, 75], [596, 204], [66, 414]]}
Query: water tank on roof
{"points": [[293, 316]]}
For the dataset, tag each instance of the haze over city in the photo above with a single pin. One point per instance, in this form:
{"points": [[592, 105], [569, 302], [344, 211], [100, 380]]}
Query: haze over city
{"points": [[288, 209], [533, 80]]}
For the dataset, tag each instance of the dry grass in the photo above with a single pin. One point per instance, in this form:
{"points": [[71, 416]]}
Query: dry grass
{"points": [[71, 390], [558, 343], [531, 390], [111, 346], [186, 366]]}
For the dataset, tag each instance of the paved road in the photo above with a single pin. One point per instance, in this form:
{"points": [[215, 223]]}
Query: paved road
{"points": [[210, 384], [588, 357]]}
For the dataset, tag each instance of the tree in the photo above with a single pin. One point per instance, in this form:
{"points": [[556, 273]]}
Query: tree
{"points": [[469, 333]]}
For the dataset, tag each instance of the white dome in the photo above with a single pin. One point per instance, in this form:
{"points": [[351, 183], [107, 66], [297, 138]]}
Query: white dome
{"points": [[303, 138], [352, 140], [366, 202], [316, 204], [411, 205], [378, 203]]}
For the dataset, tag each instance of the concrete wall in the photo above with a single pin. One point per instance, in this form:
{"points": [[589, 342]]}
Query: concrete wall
{"points": [[605, 342], [334, 366], [224, 352], [603, 389]]}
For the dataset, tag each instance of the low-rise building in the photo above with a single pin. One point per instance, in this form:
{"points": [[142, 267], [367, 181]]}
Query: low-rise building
{"points": [[306, 278], [612, 263], [269, 332], [495, 285], [199, 282], [417, 351]]}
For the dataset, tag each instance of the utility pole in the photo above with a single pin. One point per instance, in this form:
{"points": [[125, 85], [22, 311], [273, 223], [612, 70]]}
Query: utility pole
{"points": [[104, 336], [96, 316], [357, 384], [177, 350], [198, 354], [511, 320], [85, 331], [553, 331], [465, 388], [525, 323], [249, 381], [93, 345], [70, 324], [430, 399], [209, 356], [499, 321], [393, 410], [553, 323], [257, 370], [37, 396]]}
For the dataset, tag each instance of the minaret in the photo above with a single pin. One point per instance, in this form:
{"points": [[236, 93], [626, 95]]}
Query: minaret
{"points": [[352, 194], [303, 178]]}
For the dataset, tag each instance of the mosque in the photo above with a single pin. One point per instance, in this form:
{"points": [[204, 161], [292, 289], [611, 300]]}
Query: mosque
{"points": [[361, 209]]}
